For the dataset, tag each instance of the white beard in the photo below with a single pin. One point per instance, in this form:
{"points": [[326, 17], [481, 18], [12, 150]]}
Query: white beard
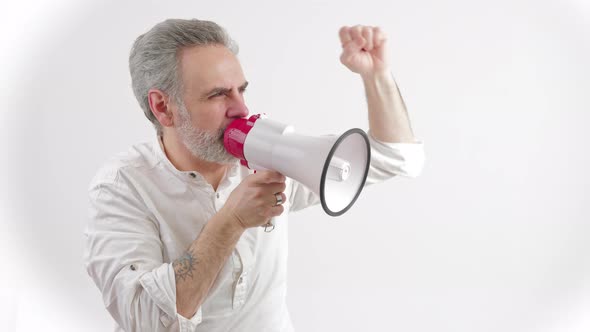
{"points": [[202, 144]]}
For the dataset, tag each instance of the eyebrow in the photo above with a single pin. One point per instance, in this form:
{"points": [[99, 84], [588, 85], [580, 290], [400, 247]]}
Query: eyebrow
{"points": [[223, 90]]}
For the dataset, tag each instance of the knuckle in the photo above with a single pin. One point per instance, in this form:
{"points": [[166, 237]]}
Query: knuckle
{"points": [[258, 193], [274, 177], [270, 175]]}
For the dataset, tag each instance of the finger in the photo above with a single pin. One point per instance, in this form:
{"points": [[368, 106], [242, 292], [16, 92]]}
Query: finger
{"points": [[349, 49], [352, 47], [275, 201], [367, 33], [276, 211], [269, 189], [379, 37], [344, 34], [349, 52], [357, 36], [264, 177]]}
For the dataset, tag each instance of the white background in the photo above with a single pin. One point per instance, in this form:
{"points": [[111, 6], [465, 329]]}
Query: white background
{"points": [[494, 236]]}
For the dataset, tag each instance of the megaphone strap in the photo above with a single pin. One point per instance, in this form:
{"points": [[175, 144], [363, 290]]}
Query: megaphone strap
{"points": [[269, 226]]}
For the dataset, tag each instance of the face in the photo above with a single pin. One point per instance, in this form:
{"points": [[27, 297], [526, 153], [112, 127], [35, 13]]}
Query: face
{"points": [[213, 96]]}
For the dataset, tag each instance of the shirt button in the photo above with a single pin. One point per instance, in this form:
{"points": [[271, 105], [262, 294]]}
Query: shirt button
{"points": [[193, 175], [217, 195]]}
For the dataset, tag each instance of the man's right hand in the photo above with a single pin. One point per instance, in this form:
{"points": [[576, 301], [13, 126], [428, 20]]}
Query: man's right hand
{"points": [[253, 202]]}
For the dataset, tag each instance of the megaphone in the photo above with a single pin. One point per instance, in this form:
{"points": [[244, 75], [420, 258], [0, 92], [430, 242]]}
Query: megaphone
{"points": [[334, 167]]}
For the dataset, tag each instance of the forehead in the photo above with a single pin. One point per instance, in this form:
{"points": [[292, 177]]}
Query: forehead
{"points": [[205, 67]]}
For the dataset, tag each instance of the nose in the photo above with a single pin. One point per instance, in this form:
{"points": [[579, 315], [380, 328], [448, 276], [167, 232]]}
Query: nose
{"points": [[237, 108]]}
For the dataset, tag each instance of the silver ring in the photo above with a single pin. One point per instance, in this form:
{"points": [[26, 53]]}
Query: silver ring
{"points": [[279, 198]]}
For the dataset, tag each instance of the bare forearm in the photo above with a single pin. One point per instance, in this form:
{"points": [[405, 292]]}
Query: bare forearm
{"points": [[251, 204], [388, 117], [198, 267]]}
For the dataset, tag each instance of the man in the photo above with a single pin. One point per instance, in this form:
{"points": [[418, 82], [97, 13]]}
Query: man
{"points": [[173, 241]]}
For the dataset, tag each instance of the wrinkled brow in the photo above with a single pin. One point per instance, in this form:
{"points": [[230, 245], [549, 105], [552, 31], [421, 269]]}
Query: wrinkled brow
{"points": [[223, 90]]}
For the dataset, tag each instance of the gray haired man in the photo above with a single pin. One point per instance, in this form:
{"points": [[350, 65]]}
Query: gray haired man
{"points": [[173, 241]]}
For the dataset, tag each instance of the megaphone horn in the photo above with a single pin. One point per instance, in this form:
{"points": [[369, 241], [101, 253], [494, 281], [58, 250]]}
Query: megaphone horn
{"points": [[334, 167]]}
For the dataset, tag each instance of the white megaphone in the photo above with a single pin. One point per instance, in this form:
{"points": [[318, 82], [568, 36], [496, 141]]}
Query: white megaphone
{"points": [[334, 167]]}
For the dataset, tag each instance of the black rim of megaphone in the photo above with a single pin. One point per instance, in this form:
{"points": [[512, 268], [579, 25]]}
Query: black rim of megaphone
{"points": [[327, 164]]}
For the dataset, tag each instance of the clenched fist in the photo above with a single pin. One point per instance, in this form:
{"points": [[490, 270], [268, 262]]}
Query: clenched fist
{"points": [[364, 50]]}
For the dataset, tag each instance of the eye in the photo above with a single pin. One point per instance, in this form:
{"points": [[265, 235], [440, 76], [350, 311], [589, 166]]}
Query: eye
{"points": [[218, 94]]}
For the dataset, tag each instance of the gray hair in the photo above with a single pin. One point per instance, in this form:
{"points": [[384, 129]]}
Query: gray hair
{"points": [[154, 61]]}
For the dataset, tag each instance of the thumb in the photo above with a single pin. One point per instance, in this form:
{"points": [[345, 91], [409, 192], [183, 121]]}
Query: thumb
{"points": [[349, 50]]}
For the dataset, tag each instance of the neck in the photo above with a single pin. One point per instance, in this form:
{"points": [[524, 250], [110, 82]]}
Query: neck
{"points": [[184, 160]]}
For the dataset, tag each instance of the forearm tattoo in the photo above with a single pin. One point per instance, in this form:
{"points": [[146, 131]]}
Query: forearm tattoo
{"points": [[184, 266]]}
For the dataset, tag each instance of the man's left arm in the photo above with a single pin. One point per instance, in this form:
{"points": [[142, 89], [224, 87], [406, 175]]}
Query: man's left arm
{"points": [[395, 150], [365, 52]]}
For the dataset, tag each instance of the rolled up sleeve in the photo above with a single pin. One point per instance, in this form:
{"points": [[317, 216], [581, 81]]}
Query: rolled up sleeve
{"points": [[123, 256], [391, 159], [387, 161]]}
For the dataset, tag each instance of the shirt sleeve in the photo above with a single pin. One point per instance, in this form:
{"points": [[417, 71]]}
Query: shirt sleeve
{"points": [[124, 258], [387, 161], [391, 159]]}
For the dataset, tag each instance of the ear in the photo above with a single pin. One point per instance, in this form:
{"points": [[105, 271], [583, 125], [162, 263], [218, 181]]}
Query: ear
{"points": [[160, 107]]}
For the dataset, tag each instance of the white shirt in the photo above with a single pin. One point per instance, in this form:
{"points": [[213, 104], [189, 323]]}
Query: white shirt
{"points": [[144, 214]]}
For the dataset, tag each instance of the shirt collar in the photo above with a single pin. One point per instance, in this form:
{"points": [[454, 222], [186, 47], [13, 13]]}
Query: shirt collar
{"points": [[161, 157]]}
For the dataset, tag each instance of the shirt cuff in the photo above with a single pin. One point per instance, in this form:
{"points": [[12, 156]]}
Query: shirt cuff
{"points": [[405, 159], [160, 284]]}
